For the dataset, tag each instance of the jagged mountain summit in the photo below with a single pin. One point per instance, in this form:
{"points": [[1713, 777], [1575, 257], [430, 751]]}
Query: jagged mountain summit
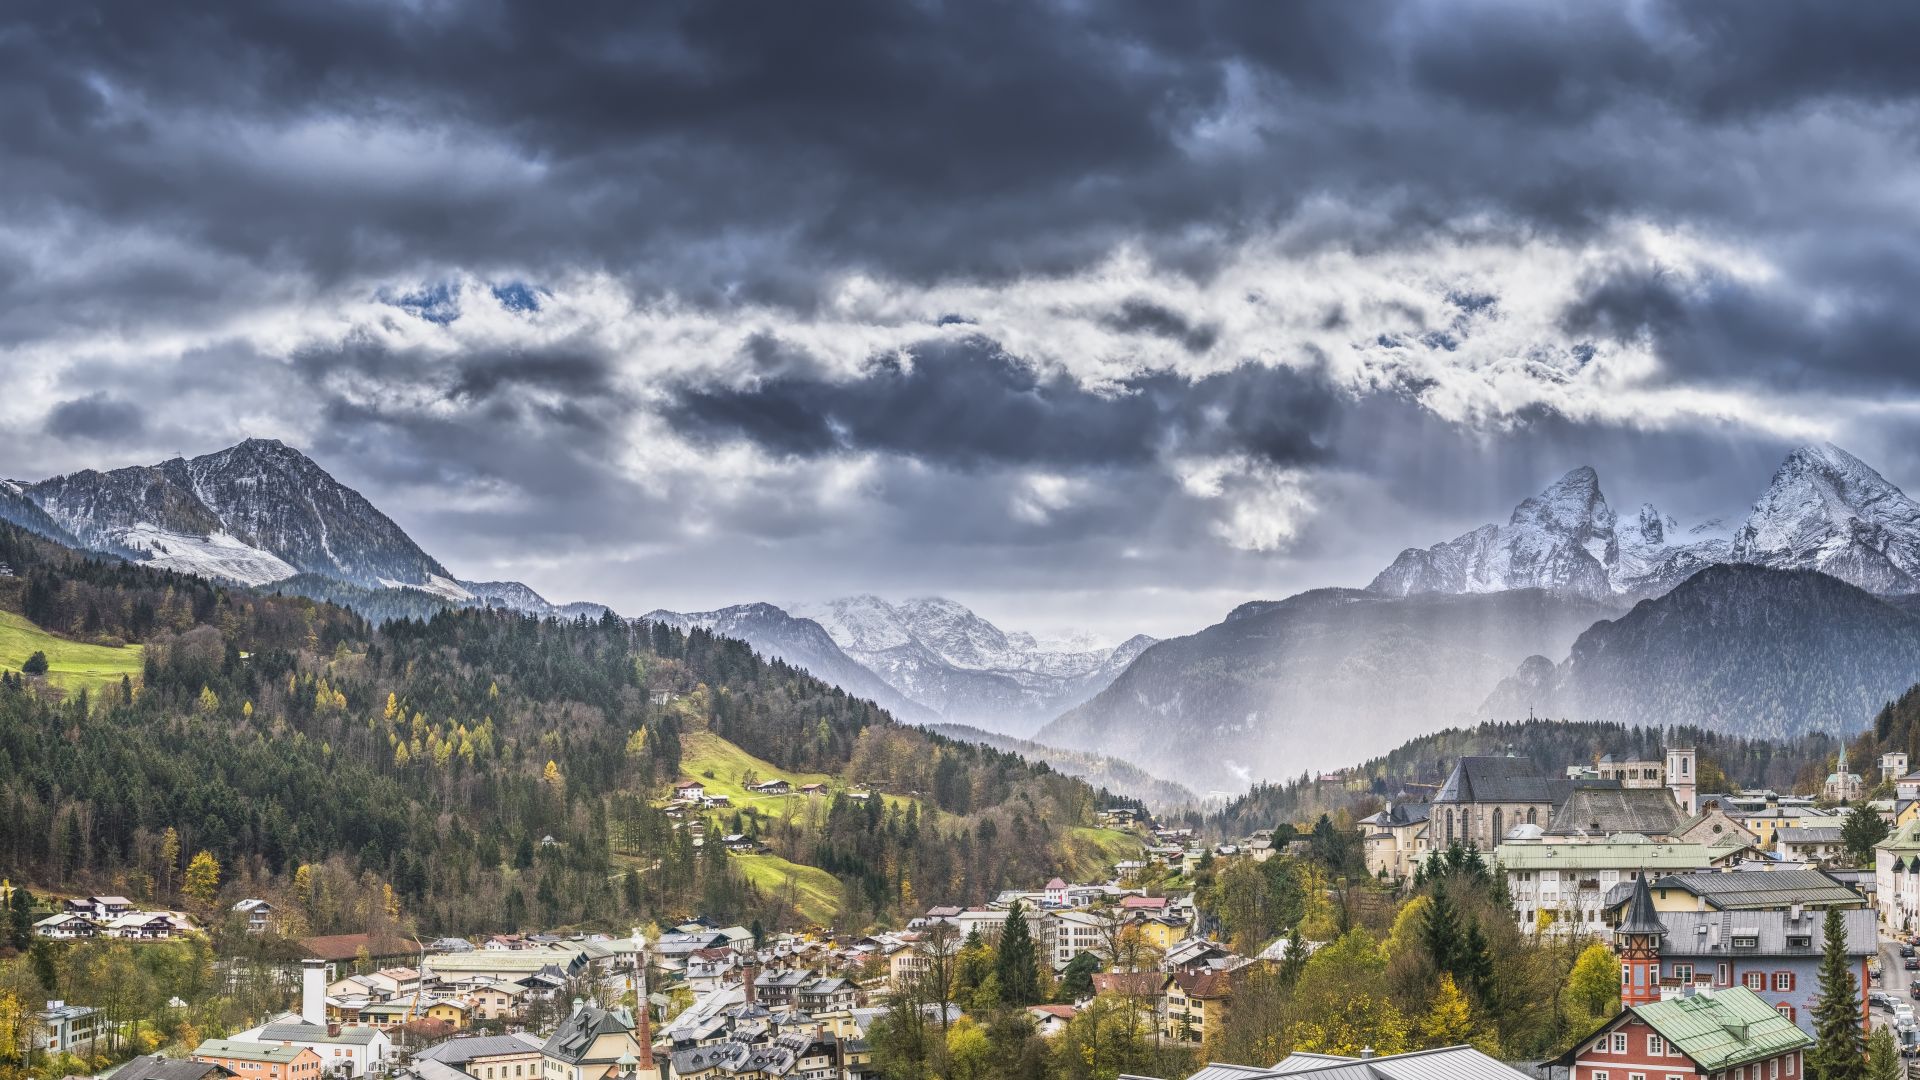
{"points": [[965, 669], [1825, 510], [1565, 540]]}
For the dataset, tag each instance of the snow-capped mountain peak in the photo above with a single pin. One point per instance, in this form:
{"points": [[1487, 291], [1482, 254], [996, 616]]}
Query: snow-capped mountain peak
{"points": [[1828, 510], [1824, 510]]}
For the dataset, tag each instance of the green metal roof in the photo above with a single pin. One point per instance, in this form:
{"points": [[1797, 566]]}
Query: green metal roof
{"points": [[1724, 1029], [1905, 839], [1610, 855]]}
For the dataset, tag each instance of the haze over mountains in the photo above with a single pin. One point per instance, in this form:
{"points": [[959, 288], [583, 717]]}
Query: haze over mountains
{"points": [[932, 658], [1784, 636], [1801, 617]]}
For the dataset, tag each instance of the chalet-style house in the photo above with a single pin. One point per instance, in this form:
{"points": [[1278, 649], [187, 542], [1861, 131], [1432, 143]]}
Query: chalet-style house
{"points": [[1731, 1034]]}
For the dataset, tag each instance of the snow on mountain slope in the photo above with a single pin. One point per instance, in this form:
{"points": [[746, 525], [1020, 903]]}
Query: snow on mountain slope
{"points": [[1566, 540], [254, 512], [218, 554], [962, 667], [801, 642], [1827, 510]]}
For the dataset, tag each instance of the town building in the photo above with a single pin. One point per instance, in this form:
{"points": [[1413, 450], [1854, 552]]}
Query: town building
{"points": [[1485, 796], [1842, 785], [61, 1028], [589, 1044], [1395, 840], [258, 914], [1712, 826], [1893, 765], [1565, 887], [155, 1067], [488, 1057], [1591, 813], [260, 1061], [1757, 890], [1810, 844], [1728, 1034]]}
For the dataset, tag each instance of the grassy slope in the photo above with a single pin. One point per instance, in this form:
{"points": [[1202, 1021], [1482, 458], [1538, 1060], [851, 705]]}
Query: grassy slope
{"points": [[1094, 851], [817, 894], [72, 665], [702, 752]]}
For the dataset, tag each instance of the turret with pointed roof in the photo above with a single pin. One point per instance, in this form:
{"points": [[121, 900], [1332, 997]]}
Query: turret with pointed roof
{"points": [[1638, 940]]}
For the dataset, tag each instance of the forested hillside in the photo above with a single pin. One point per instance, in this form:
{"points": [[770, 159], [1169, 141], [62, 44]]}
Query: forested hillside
{"points": [[420, 768]]}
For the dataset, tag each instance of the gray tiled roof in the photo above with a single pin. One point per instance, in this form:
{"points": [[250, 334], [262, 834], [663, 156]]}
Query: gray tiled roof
{"points": [[1507, 780], [1809, 834], [1444, 1063], [155, 1067], [1694, 933], [1764, 889], [459, 1051], [1604, 811]]}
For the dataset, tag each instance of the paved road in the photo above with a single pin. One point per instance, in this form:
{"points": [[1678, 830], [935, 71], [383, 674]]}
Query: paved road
{"points": [[1895, 980]]}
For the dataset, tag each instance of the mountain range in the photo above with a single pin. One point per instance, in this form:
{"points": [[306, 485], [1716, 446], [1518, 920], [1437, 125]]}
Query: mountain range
{"points": [[927, 659], [1801, 617], [1825, 510], [1796, 620]]}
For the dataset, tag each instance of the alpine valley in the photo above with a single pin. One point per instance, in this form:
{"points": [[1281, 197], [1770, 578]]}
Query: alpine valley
{"points": [[1800, 618]]}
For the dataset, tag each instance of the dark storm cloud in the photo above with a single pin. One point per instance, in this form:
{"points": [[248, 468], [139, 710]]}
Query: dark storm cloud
{"points": [[969, 404], [739, 147], [95, 416], [171, 169]]}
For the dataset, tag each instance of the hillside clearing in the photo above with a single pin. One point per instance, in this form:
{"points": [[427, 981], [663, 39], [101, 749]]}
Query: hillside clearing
{"points": [[815, 893], [71, 665]]}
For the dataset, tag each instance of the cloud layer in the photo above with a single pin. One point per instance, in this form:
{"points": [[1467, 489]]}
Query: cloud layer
{"points": [[1038, 304]]}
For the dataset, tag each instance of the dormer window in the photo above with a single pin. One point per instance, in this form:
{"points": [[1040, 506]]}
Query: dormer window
{"points": [[1745, 941], [1799, 941]]}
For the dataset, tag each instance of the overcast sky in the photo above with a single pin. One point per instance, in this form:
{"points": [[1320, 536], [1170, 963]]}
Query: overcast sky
{"points": [[1111, 315]]}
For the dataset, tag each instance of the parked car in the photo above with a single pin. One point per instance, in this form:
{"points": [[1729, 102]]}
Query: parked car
{"points": [[1880, 998], [1906, 950], [1912, 963], [1914, 991]]}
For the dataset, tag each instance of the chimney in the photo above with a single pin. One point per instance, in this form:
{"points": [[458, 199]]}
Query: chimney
{"points": [[577, 1006], [313, 992], [746, 978], [643, 1011], [1793, 913], [1366, 1052]]}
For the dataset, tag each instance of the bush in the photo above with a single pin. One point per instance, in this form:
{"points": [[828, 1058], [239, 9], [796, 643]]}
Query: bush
{"points": [[36, 664]]}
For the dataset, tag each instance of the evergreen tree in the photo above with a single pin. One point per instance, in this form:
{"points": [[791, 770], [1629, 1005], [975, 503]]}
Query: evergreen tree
{"points": [[36, 664], [1862, 830], [1883, 1056], [1839, 1051], [1017, 963], [1440, 932]]}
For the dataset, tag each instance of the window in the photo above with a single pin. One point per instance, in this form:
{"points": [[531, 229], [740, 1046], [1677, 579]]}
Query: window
{"points": [[1656, 1046], [1782, 981], [1792, 1059], [1683, 972], [1754, 980], [1773, 1069], [1599, 1074], [1785, 1010], [1720, 975], [1745, 941], [1619, 1042]]}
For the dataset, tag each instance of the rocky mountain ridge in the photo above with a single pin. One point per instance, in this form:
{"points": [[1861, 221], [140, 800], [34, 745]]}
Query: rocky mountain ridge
{"points": [[1824, 509]]}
